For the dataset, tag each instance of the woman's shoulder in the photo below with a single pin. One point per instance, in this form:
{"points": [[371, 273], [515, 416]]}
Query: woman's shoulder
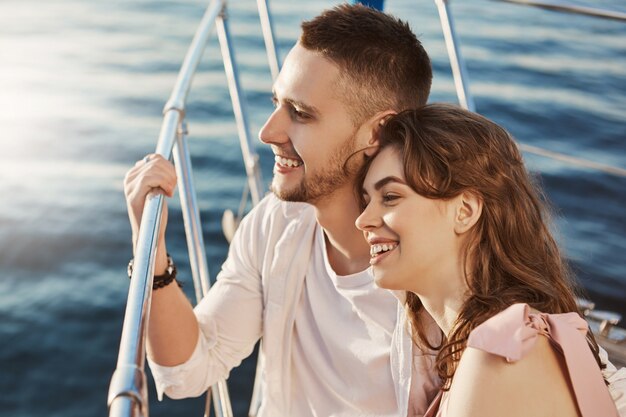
{"points": [[510, 368], [486, 385]]}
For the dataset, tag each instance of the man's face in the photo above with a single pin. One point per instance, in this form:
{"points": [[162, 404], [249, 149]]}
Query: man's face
{"points": [[310, 131]]}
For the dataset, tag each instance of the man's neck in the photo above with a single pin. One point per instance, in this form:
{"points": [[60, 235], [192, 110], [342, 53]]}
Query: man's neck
{"points": [[348, 251]]}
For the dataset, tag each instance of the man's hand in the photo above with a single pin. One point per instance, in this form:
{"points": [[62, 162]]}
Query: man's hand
{"points": [[152, 174], [172, 328]]}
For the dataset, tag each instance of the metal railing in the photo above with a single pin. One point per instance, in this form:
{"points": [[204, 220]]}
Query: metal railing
{"points": [[128, 389], [560, 6], [268, 37], [461, 80], [459, 73]]}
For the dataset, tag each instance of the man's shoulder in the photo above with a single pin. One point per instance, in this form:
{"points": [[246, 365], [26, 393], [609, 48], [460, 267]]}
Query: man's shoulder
{"points": [[274, 226], [274, 209], [272, 217]]}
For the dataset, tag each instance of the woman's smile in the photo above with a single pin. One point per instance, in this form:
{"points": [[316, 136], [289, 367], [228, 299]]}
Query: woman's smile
{"points": [[379, 251]]}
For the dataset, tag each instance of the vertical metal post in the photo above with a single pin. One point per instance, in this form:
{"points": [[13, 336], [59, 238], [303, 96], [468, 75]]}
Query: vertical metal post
{"points": [[191, 215], [251, 159], [221, 399], [461, 80], [196, 248], [268, 36]]}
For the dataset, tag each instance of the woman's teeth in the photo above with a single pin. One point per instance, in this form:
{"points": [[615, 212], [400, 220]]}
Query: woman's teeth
{"points": [[286, 162], [386, 247]]}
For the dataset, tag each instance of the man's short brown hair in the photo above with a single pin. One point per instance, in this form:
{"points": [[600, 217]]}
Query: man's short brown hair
{"points": [[382, 63]]}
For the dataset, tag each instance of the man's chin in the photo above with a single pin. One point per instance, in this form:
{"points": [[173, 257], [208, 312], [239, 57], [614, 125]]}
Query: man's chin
{"points": [[294, 195]]}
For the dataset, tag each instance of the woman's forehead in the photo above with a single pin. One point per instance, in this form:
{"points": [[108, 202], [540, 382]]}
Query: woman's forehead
{"points": [[387, 163]]}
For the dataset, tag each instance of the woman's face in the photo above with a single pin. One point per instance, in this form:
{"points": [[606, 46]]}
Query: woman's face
{"points": [[413, 244]]}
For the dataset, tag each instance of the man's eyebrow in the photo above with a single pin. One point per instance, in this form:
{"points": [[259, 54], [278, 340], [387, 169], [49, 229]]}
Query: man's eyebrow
{"points": [[302, 106], [381, 183], [312, 110]]}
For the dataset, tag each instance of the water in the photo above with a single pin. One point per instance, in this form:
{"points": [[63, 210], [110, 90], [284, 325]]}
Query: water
{"points": [[82, 86]]}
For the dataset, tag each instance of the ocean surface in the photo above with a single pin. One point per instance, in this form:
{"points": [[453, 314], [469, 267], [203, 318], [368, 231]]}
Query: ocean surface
{"points": [[82, 87]]}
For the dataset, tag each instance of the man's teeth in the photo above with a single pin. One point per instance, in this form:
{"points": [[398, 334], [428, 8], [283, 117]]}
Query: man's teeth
{"points": [[287, 162], [376, 249]]}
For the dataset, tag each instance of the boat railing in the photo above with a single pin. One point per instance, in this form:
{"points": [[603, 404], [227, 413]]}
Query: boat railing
{"points": [[461, 78], [561, 6], [128, 389]]}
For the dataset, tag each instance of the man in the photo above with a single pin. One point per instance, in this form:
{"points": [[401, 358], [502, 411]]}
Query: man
{"points": [[296, 274]]}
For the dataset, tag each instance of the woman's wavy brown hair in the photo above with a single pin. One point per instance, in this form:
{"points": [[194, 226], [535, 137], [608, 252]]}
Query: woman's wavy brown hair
{"points": [[510, 256]]}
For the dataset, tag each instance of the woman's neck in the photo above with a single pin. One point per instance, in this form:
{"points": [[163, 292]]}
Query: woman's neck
{"points": [[444, 311], [446, 297]]}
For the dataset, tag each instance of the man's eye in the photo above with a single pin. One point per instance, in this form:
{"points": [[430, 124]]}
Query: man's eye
{"points": [[298, 114]]}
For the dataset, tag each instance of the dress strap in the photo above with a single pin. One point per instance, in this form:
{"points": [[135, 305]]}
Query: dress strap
{"points": [[513, 332], [592, 394], [433, 408]]}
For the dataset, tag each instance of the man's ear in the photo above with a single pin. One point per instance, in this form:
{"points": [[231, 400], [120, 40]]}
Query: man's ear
{"points": [[373, 126], [468, 210]]}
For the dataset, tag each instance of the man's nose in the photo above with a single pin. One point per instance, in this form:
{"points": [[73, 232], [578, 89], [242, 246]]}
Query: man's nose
{"points": [[274, 131]]}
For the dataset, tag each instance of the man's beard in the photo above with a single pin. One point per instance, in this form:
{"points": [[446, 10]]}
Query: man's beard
{"points": [[339, 171]]}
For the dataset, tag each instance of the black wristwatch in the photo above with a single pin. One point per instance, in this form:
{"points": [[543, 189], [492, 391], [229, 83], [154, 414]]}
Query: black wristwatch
{"points": [[160, 281]]}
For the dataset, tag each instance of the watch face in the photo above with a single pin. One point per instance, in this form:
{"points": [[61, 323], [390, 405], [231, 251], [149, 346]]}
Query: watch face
{"points": [[129, 268], [171, 268]]}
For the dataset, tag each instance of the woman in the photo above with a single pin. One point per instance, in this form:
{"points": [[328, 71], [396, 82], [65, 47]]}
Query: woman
{"points": [[454, 219]]}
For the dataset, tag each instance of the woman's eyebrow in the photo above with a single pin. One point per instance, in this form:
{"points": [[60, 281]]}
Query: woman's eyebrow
{"points": [[381, 183]]}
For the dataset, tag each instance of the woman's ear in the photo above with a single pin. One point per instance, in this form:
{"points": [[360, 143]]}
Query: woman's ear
{"points": [[468, 211], [373, 128]]}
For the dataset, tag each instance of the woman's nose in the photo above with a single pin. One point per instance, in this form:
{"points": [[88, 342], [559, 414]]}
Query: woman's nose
{"points": [[368, 219]]}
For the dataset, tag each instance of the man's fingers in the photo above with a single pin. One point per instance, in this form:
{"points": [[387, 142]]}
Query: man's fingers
{"points": [[157, 172], [157, 179], [151, 174]]}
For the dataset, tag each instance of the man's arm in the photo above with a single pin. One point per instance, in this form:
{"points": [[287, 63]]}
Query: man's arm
{"points": [[173, 328], [190, 349], [617, 382]]}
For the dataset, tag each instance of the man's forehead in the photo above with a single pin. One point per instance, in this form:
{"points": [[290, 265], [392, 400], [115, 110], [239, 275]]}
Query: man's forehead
{"points": [[305, 76]]}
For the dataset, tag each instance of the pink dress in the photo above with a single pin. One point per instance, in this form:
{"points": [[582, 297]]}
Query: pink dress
{"points": [[512, 333]]}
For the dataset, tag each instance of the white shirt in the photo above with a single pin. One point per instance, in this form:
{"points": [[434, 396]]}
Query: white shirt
{"points": [[257, 293], [342, 343]]}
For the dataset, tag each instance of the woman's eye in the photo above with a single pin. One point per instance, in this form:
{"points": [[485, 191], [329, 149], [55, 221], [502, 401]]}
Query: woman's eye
{"points": [[388, 198]]}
